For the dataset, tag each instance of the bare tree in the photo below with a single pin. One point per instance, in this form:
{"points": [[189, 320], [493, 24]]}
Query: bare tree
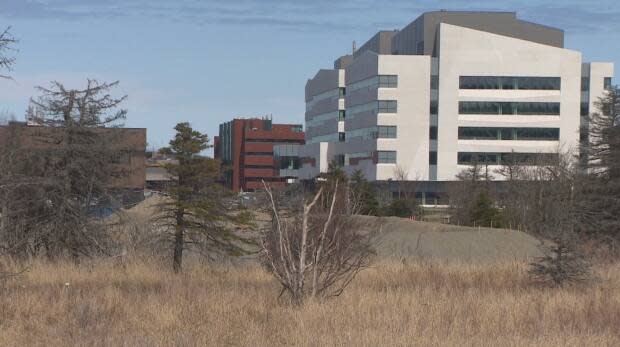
{"points": [[6, 44], [64, 170], [314, 247]]}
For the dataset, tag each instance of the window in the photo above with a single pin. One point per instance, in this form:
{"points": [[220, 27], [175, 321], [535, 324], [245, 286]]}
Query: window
{"points": [[434, 82], [512, 158], [509, 82], [341, 137], [388, 81], [339, 160], [342, 115], [434, 107], [510, 108], [297, 128], [585, 109], [525, 134], [607, 83], [342, 92], [432, 158], [386, 157], [432, 133], [386, 132], [585, 84], [387, 106]]}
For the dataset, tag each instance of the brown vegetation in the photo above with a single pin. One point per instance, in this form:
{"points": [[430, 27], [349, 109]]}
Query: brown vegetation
{"points": [[387, 305]]}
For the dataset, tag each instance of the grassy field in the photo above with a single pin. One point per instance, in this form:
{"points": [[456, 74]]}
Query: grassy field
{"points": [[388, 305]]}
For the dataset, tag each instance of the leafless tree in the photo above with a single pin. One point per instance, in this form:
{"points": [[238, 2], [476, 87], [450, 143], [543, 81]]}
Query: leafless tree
{"points": [[314, 246], [401, 175], [6, 45], [63, 173]]}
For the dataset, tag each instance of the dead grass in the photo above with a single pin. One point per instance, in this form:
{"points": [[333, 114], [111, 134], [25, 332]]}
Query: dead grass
{"points": [[389, 305]]}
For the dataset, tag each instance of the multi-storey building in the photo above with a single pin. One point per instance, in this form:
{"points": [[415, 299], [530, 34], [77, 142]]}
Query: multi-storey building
{"points": [[448, 89], [129, 144], [246, 149]]}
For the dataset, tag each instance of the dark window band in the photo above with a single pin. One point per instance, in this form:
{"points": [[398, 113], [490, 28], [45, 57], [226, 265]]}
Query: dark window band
{"points": [[470, 158], [509, 82], [493, 133], [510, 108]]}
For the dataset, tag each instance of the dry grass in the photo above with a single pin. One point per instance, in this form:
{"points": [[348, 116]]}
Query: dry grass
{"points": [[389, 305]]}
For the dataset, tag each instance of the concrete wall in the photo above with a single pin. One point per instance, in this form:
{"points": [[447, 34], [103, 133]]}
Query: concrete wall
{"points": [[468, 52]]}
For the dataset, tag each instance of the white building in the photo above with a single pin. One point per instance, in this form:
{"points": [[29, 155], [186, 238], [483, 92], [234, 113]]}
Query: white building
{"points": [[448, 88]]}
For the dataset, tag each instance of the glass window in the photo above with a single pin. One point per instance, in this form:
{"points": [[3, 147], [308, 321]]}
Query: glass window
{"points": [[297, 128], [432, 158], [470, 158], [341, 137], [509, 82], [434, 107], [510, 108], [607, 83], [434, 82], [388, 81], [388, 132], [387, 106], [432, 133], [493, 133], [342, 114], [386, 157], [585, 84], [585, 109], [342, 92], [541, 134]]}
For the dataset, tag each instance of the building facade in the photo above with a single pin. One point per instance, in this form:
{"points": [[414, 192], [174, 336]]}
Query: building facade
{"points": [[424, 102], [129, 143], [246, 149]]}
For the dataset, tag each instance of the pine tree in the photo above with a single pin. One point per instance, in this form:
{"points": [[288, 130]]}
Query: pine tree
{"points": [[199, 211]]}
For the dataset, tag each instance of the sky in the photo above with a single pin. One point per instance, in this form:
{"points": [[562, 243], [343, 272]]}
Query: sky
{"points": [[206, 62]]}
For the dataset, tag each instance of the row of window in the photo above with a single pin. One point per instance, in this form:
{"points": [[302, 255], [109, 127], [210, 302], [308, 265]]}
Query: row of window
{"points": [[492, 133], [380, 106], [386, 157], [470, 158], [380, 81], [509, 82], [510, 108]]}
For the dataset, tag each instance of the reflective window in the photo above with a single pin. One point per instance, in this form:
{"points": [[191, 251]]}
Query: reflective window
{"points": [[434, 107], [585, 109], [387, 132], [509, 82], [607, 83], [387, 106], [341, 137], [493, 133], [432, 133], [510, 108], [342, 114], [386, 157], [511, 158], [434, 82], [342, 92], [432, 158], [388, 81], [585, 84]]}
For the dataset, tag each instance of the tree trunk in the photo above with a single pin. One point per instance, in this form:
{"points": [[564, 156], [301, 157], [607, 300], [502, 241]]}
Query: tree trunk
{"points": [[178, 244]]}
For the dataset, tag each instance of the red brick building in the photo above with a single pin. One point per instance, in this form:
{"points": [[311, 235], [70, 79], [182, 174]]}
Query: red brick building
{"points": [[245, 147]]}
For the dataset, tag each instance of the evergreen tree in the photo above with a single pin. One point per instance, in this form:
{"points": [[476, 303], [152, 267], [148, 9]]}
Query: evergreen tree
{"points": [[484, 213], [598, 198], [199, 210]]}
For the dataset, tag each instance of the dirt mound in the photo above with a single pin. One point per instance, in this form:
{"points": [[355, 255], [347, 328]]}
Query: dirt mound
{"points": [[408, 240]]}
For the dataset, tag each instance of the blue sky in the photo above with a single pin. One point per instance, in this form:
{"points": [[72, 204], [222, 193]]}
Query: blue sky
{"points": [[208, 61]]}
